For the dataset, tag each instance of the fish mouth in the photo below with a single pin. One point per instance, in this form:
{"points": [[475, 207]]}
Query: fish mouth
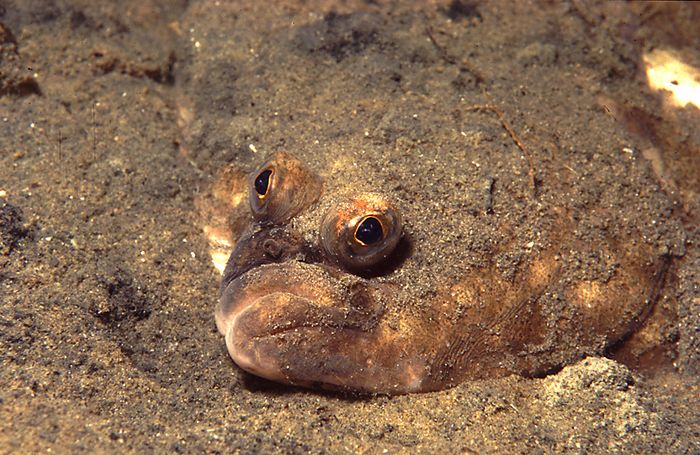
{"points": [[270, 334], [266, 310], [299, 324], [281, 282]]}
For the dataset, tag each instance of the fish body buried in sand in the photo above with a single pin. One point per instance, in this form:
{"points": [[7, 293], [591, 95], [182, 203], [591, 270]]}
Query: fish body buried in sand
{"points": [[337, 288]]}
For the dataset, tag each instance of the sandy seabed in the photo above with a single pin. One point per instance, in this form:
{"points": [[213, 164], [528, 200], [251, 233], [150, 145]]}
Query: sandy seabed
{"points": [[114, 117]]}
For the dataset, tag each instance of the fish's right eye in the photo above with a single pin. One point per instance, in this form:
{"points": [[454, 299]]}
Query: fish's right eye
{"points": [[363, 232]]}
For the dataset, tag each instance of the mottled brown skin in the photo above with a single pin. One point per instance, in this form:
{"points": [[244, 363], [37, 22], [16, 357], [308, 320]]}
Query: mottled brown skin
{"points": [[306, 311]]}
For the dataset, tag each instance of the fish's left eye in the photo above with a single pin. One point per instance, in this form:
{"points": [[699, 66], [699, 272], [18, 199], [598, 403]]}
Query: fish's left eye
{"points": [[363, 232], [281, 188]]}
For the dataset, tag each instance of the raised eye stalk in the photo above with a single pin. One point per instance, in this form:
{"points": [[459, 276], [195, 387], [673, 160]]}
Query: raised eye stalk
{"points": [[363, 232], [281, 188]]}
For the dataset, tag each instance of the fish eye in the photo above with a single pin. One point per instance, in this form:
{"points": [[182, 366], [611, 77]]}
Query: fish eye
{"points": [[369, 231], [363, 232], [262, 183], [281, 188]]}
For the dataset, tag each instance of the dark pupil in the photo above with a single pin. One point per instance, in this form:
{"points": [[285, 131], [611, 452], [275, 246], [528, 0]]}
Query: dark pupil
{"points": [[369, 231], [262, 182]]}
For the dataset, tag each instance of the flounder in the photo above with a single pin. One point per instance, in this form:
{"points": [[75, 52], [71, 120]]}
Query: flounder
{"points": [[430, 213], [319, 291]]}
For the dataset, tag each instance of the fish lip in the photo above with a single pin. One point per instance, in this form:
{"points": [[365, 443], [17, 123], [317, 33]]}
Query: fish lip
{"points": [[243, 345], [274, 331], [231, 303], [240, 338], [239, 276]]}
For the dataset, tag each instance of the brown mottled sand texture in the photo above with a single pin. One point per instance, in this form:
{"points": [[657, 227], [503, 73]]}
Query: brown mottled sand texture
{"points": [[115, 117]]}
